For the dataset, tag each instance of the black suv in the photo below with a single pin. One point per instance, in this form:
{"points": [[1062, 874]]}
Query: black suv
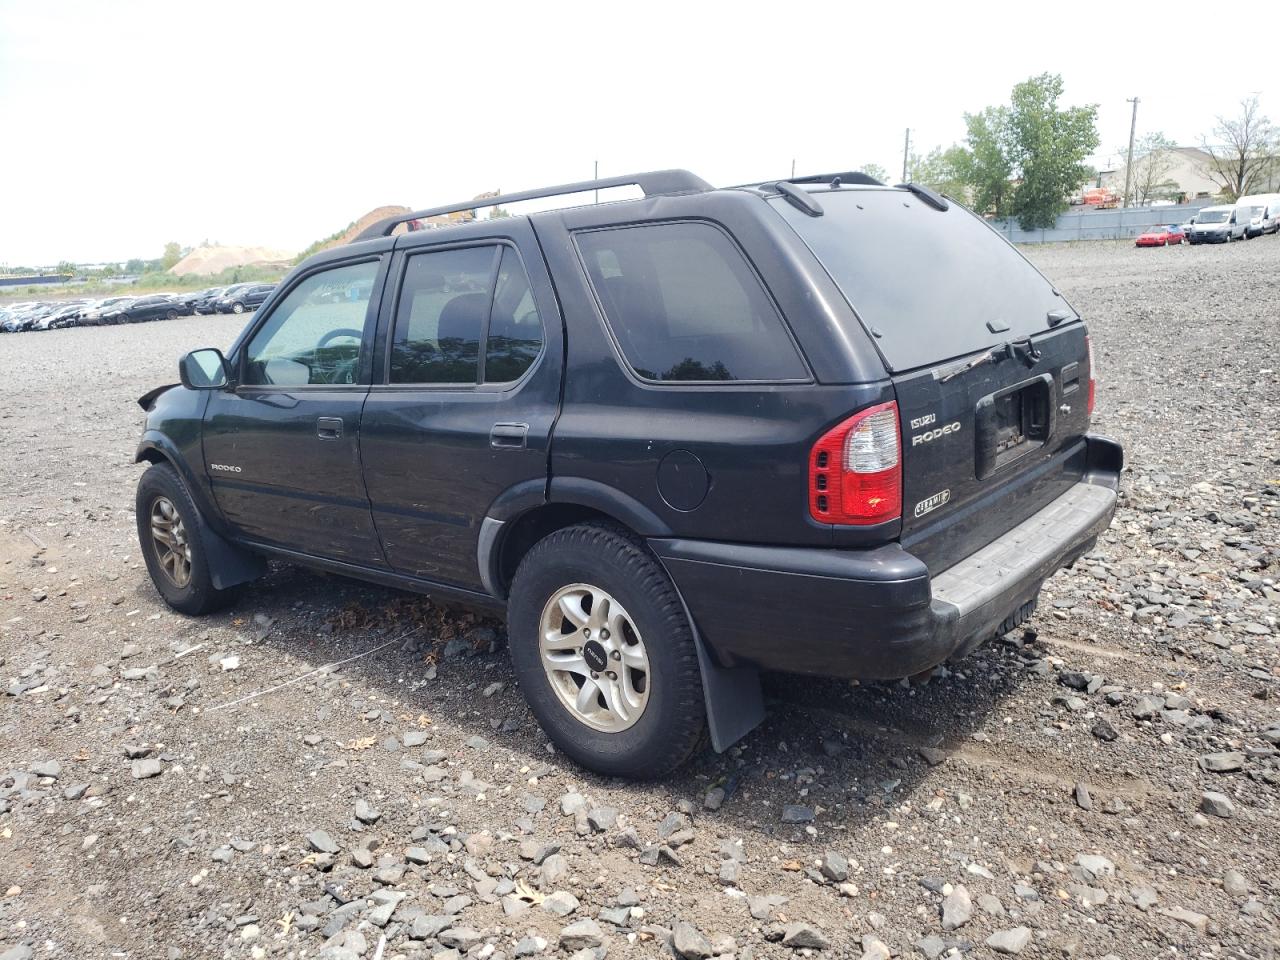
{"points": [[244, 297], [820, 425]]}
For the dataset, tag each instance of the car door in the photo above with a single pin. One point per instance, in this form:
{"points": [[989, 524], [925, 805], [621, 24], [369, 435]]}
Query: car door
{"points": [[461, 409], [283, 444]]}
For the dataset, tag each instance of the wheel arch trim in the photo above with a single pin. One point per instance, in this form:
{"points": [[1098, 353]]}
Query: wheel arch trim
{"points": [[531, 496]]}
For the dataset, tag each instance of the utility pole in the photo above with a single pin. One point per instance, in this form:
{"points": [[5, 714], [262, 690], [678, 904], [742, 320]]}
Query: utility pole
{"points": [[906, 150], [1128, 167], [793, 168], [595, 175]]}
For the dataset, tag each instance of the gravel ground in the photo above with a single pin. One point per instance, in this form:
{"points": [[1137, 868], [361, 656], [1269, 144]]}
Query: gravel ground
{"points": [[1103, 784]]}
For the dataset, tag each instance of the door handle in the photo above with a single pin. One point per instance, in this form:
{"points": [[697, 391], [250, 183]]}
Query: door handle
{"points": [[509, 436], [329, 428]]}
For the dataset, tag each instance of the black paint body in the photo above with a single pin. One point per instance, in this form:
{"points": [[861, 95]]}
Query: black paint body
{"points": [[421, 492]]}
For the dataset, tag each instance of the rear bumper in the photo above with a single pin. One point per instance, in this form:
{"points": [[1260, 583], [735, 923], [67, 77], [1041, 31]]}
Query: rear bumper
{"points": [[877, 613]]}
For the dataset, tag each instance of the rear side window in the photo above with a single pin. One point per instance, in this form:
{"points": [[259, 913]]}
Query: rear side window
{"points": [[515, 329], [451, 302], [684, 304]]}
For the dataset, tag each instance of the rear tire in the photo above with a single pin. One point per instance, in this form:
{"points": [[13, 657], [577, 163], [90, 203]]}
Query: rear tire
{"points": [[169, 533], [171, 315], [601, 578]]}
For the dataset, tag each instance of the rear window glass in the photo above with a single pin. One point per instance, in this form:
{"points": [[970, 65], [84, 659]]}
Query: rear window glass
{"points": [[685, 305], [925, 283], [443, 302]]}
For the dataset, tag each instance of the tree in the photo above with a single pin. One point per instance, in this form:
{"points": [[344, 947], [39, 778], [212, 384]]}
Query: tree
{"points": [[941, 170], [1245, 150], [135, 266], [1047, 147], [875, 171], [984, 165], [1027, 158], [172, 254], [1151, 166]]}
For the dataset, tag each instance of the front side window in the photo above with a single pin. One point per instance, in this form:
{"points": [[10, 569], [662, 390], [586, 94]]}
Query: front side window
{"points": [[684, 305], [315, 335], [452, 302]]}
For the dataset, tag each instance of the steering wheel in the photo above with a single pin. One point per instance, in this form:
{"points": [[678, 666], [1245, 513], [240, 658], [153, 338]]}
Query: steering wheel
{"points": [[335, 334]]}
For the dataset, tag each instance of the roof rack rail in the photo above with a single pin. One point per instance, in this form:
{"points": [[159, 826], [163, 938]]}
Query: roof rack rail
{"points": [[802, 200], [655, 182], [838, 178], [932, 198]]}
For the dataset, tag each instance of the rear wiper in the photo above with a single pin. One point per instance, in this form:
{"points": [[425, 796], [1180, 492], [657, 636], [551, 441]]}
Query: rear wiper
{"points": [[1023, 350], [968, 365]]}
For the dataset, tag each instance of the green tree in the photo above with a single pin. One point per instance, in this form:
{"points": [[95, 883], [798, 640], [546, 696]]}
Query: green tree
{"points": [[876, 171], [1048, 147], [135, 266], [941, 170], [984, 164], [172, 254], [66, 266]]}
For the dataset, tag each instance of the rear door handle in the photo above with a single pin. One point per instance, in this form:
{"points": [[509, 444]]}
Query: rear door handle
{"points": [[329, 428], [509, 436]]}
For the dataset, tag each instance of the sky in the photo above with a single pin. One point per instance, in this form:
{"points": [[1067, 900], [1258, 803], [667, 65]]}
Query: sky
{"points": [[125, 125]]}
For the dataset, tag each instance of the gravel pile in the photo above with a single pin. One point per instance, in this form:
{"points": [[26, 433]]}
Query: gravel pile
{"points": [[1104, 783]]}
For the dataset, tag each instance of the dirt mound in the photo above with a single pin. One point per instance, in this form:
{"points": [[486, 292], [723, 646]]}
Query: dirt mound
{"points": [[211, 260], [368, 220]]}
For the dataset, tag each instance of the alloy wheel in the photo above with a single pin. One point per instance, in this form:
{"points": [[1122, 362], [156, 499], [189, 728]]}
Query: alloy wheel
{"points": [[169, 540], [594, 657]]}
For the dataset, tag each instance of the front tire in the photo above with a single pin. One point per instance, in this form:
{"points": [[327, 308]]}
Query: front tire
{"points": [[605, 653], [169, 535], [237, 308]]}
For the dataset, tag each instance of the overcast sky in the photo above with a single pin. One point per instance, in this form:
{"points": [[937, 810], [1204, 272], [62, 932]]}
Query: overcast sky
{"points": [[129, 124]]}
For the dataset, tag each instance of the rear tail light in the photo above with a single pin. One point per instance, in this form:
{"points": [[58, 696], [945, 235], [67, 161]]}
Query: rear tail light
{"points": [[855, 469], [1093, 373]]}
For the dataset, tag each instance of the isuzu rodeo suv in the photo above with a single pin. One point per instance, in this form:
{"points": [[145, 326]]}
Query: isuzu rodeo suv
{"points": [[818, 425]]}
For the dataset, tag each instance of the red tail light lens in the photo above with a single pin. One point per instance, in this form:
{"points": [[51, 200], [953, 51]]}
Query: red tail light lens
{"points": [[855, 469], [1093, 373]]}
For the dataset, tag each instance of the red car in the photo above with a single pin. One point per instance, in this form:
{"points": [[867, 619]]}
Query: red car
{"points": [[1161, 236]]}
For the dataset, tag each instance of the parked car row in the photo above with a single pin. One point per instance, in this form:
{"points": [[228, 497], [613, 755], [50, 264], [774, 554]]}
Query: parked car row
{"points": [[55, 315], [1249, 217]]}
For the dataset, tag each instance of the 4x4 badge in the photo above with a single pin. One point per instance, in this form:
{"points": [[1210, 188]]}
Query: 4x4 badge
{"points": [[933, 503]]}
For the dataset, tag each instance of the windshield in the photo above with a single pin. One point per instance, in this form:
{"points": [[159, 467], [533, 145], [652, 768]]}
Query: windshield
{"points": [[1213, 216], [928, 285]]}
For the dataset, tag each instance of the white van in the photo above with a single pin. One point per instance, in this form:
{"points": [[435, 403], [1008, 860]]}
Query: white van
{"points": [[1260, 213], [1218, 225]]}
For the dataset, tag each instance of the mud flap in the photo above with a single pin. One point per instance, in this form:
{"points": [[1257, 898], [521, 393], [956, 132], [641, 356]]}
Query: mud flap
{"points": [[732, 696], [229, 565]]}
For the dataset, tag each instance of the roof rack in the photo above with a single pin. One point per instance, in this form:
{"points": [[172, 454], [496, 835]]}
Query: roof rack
{"points": [[655, 182], [838, 178]]}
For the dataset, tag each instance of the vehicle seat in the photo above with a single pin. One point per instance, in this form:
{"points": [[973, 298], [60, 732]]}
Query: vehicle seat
{"points": [[462, 318]]}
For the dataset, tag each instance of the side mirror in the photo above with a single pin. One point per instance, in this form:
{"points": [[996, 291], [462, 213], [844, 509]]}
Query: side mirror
{"points": [[204, 370]]}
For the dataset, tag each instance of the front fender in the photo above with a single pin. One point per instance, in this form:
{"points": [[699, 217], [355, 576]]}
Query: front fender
{"points": [[157, 447]]}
